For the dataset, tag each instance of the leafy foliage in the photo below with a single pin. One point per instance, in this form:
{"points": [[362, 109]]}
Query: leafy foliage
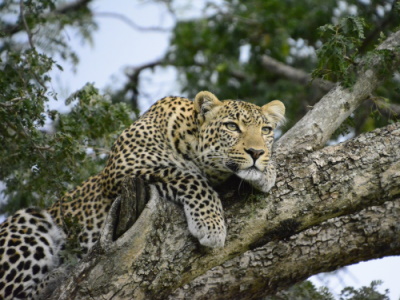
{"points": [[43, 153], [223, 50], [304, 291], [339, 52], [364, 293], [307, 291]]}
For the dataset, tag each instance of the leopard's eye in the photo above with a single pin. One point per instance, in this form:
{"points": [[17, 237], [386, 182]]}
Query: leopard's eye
{"points": [[266, 130], [232, 126]]}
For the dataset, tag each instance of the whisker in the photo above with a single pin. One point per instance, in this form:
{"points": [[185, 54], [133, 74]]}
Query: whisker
{"points": [[240, 184]]}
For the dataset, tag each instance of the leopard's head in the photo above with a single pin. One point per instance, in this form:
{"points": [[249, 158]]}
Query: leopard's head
{"points": [[235, 136]]}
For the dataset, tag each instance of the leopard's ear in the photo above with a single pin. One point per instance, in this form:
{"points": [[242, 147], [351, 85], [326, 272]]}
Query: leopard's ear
{"points": [[275, 111], [205, 101]]}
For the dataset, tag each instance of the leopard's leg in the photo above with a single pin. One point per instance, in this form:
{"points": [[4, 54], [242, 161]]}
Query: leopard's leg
{"points": [[202, 206], [177, 181]]}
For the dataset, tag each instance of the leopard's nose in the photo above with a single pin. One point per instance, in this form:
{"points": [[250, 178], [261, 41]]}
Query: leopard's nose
{"points": [[254, 153]]}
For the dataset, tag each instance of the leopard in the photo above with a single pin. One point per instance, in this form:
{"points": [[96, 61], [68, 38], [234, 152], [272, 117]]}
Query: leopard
{"points": [[30, 242], [181, 147]]}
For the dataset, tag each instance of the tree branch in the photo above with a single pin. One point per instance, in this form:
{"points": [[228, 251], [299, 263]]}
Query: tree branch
{"points": [[71, 7], [25, 24], [133, 80], [158, 255], [304, 78], [130, 23], [295, 75], [372, 233], [389, 110], [317, 126]]}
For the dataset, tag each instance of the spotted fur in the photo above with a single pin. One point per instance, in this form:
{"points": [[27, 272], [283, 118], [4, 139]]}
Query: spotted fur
{"points": [[29, 246], [183, 148]]}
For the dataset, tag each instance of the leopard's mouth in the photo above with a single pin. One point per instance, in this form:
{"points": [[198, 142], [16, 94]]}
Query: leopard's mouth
{"points": [[252, 168], [235, 167]]}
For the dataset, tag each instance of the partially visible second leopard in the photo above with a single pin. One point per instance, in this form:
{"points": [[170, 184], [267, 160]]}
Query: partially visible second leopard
{"points": [[183, 148]]}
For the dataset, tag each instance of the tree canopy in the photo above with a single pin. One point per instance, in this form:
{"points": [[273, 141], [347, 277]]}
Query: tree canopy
{"points": [[43, 152], [257, 50], [232, 52]]}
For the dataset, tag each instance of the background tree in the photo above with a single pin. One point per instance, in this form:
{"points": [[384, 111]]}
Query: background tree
{"points": [[33, 36], [266, 50], [243, 49]]}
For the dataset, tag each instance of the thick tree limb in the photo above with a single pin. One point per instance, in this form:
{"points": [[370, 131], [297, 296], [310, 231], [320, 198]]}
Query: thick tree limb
{"points": [[157, 255], [372, 233]]}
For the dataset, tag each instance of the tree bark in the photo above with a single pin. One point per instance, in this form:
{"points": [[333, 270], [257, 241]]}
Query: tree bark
{"points": [[330, 207], [372, 233], [157, 256]]}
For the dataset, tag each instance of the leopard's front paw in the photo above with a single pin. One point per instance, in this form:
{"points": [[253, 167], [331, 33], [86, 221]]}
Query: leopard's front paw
{"points": [[210, 230], [214, 238]]}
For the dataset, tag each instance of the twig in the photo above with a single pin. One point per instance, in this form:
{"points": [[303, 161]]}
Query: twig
{"points": [[23, 134], [30, 39], [133, 83], [28, 31], [294, 74], [130, 23], [12, 102], [99, 150], [390, 110]]}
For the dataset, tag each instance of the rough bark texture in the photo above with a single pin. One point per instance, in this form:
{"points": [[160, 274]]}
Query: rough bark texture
{"points": [[158, 255], [330, 207], [372, 233]]}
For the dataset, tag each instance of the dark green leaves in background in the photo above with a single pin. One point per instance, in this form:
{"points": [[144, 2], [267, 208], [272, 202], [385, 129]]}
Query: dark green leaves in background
{"points": [[44, 153]]}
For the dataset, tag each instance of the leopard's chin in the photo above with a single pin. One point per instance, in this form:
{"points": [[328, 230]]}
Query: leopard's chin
{"points": [[250, 174]]}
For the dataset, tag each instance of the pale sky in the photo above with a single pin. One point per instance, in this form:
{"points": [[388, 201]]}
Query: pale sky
{"points": [[117, 45]]}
